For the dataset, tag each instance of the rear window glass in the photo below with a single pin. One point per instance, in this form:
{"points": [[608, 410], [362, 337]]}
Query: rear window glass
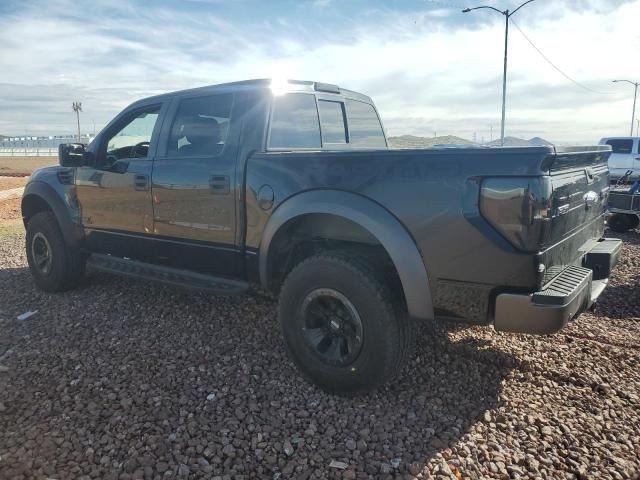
{"points": [[332, 122], [620, 146], [365, 130], [294, 123]]}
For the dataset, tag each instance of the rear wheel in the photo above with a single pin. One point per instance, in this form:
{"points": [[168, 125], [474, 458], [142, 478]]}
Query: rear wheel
{"points": [[619, 222], [55, 267], [341, 326], [634, 221]]}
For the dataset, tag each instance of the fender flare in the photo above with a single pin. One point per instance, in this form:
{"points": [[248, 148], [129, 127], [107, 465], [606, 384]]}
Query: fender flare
{"points": [[45, 192], [376, 220]]}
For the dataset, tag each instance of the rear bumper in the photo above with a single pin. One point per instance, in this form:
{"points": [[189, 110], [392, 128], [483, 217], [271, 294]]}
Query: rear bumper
{"points": [[564, 298]]}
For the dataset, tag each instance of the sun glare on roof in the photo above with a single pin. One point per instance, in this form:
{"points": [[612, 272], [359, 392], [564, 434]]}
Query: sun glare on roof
{"points": [[279, 86]]}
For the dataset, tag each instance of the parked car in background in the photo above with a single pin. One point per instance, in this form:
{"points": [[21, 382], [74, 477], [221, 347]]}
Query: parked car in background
{"points": [[625, 155]]}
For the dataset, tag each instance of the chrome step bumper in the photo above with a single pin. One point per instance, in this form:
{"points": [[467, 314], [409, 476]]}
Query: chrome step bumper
{"points": [[563, 299]]}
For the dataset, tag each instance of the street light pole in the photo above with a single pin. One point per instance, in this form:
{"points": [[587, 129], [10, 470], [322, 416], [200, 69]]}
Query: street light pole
{"points": [[504, 75], [77, 107], [507, 15], [635, 94]]}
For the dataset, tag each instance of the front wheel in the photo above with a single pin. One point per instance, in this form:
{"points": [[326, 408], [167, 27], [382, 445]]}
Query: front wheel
{"points": [[55, 267], [341, 326]]}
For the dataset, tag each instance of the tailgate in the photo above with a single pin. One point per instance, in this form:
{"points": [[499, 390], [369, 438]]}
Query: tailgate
{"points": [[580, 183]]}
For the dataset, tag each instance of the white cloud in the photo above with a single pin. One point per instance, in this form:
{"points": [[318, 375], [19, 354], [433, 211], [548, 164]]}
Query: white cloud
{"points": [[438, 70]]}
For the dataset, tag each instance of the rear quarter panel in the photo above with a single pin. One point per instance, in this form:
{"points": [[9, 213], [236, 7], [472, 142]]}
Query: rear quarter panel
{"points": [[433, 193]]}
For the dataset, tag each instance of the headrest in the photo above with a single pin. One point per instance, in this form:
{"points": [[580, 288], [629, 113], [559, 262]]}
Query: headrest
{"points": [[199, 129]]}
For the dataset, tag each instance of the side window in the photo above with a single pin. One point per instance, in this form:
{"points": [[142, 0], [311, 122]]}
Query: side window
{"points": [[131, 141], [332, 122], [294, 123], [365, 130], [621, 145], [201, 126]]}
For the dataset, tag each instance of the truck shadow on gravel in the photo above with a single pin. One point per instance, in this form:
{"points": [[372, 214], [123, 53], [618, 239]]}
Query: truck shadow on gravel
{"points": [[164, 376]]}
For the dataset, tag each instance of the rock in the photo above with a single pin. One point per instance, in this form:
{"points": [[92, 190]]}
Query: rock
{"points": [[338, 465], [130, 465], [546, 430], [229, 450], [287, 448]]}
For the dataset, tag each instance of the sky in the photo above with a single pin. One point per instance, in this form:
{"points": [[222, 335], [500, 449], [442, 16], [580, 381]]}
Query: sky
{"points": [[430, 68]]}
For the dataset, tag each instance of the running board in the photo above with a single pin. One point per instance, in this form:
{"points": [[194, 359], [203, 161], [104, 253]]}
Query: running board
{"points": [[167, 275]]}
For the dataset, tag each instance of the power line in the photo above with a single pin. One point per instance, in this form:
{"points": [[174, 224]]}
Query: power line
{"points": [[556, 67]]}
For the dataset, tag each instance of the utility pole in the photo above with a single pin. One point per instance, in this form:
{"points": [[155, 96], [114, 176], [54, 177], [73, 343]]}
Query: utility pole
{"points": [[77, 107], [491, 133], [637, 126], [507, 14], [635, 94]]}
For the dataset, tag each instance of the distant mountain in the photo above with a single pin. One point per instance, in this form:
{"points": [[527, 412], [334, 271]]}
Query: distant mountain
{"points": [[539, 141], [520, 142], [411, 141]]}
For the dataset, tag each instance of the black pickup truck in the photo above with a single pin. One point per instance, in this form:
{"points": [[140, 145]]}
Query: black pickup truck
{"points": [[291, 185]]}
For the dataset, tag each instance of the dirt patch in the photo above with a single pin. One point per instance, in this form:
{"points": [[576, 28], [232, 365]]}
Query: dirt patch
{"points": [[25, 164], [7, 183], [10, 210]]}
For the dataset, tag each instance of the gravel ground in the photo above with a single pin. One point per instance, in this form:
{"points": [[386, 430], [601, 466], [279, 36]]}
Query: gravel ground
{"points": [[121, 379]]}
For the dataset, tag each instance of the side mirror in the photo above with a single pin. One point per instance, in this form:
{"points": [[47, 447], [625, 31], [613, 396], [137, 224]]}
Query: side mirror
{"points": [[71, 154]]}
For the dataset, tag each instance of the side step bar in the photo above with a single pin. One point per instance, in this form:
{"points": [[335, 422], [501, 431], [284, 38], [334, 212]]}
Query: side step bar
{"points": [[167, 275]]}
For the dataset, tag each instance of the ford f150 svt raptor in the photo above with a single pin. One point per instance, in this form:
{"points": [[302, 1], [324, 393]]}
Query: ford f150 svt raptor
{"points": [[292, 186]]}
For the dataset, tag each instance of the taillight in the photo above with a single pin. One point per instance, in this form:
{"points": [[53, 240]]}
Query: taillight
{"points": [[519, 208]]}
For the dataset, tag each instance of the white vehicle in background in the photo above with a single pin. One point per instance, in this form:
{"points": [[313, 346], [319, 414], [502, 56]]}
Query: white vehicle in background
{"points": [[625, 156]]}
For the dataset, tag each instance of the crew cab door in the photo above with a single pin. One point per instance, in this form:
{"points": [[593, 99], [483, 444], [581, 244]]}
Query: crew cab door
{"points": [[194, 186], [114, 191]]}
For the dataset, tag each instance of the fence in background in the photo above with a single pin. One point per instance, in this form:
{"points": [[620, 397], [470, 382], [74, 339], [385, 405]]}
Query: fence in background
{"points": [[29, 152]]}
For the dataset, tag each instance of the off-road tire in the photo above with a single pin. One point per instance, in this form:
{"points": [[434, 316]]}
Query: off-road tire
{"points": [[387, 332], [67, 265]]}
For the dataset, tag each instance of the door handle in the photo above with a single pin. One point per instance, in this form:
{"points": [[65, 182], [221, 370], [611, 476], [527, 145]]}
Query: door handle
{"points": [[141, 182], [219, 184]]}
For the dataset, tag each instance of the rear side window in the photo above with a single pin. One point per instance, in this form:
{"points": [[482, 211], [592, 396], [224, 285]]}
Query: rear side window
{"points": [[621, 146], [365, 130], [201, 126], [332, 122], [294, 123]]}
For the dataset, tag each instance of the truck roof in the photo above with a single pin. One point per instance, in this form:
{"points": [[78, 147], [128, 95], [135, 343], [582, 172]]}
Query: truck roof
{"points": [[619, 137], [282, 85]]}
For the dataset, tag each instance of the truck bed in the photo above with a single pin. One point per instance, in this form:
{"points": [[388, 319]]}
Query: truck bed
{"points": [[435, 193]]}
